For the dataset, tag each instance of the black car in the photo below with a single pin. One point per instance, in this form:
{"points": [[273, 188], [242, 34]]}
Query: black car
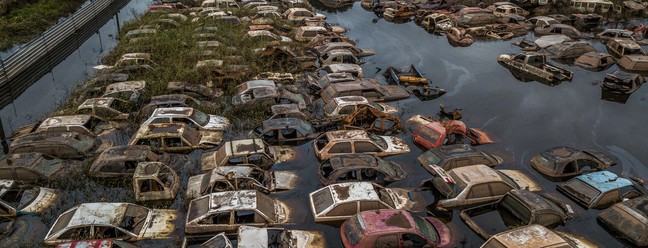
{"points": [[453, 156]]}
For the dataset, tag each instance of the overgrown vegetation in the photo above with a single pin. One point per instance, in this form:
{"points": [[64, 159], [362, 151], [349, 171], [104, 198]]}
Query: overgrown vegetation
{"points": [[21, 21]]}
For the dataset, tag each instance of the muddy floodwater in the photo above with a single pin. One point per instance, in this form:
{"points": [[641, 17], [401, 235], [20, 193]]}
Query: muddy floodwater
{"points": [[524, 118]]}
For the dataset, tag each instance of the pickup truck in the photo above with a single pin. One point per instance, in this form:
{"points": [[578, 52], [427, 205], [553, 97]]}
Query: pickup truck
{"points": [[534, 66]]}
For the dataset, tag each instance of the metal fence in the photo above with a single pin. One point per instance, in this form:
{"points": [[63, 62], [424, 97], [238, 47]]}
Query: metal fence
{"points": [[36, 58]]}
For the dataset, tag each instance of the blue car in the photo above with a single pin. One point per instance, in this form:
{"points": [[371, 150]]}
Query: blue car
{"points": [[600, 189]]}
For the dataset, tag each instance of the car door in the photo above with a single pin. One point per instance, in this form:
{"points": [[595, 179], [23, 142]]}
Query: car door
{"points": [[477, 194]]}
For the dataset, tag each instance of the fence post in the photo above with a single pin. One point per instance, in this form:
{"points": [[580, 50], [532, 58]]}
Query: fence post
{"points": [[3, 139], [117, 19]]}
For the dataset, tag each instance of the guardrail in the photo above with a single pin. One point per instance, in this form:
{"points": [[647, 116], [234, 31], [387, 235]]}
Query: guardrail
{"points": [[37, 57]]}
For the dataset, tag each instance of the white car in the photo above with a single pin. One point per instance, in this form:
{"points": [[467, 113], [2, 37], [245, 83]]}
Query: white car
{"points": [[346, 105], [190, 116]]}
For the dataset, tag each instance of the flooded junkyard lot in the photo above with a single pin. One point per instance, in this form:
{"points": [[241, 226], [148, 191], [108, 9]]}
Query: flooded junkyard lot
{"points": [[523, 118]]}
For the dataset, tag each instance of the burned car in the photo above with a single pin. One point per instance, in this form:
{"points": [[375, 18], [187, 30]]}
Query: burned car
{"points": [[430, 132], [63, 145], [371, 120], [155, 181], [387, 228], [32, 167], [619, 48], [121, 161], [285, 131], [346, 105], [569, 49], [455, 156], [611, 34], [320, 83], [627, 220], [357, 141], [175, 137], [516, 208], [595, 61], [622, 82], [338, 202], [128, 90], [226, 211], [359, 167], [120, 221], [18, 198], [600, 189], [538, 236], [437, 22], [370, 89], [240, 177], [534, 66], [89, 125], [634, 63], [245, 151], [475, 185], [264, 91], [169, 101], [565, 162], [249, 236], [108, 108], [190, 116]]}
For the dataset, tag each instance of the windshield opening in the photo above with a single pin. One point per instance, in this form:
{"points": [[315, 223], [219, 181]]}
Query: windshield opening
{"points": [[425, 228], [378, 140], [200, 117]]}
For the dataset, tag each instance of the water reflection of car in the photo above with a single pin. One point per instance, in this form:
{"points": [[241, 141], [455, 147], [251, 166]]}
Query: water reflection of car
{"points": [[359, 167], [600, 189], [226, 211], [627, 221], [564, 162], [357, 141], [338, 202], [119, 221], [240, 177], [454, 156], [394, 228], [475, 185], [430, 132], [516, 208], [535, 236]]}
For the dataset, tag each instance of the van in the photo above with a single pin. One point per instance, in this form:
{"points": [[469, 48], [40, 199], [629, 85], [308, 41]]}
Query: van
{"points": [[590, 6]]}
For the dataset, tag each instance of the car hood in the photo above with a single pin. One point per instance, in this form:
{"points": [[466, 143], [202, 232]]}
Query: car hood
{"points": [[160, 224], [45, 198], [284, 180], [522, 180], [411, 200], [395, 145], [194, 186], [218, 123]]}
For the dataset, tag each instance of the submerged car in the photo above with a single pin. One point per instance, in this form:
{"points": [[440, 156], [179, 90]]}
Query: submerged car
{"points": [[63, 145], [169, 101], [534, 66], [121, 161], [249, 236], [595, 61], [155, 181], [535, 236], [31, 167], [627, 220], [18, 198], [346, 105], [285, 131], [175, 137], [226, 211], [245, 151], [338, 202], [120, 221], [240, 177], [190, 116], [475, 185], [357, 141], [600, 189], [394, 228], [562, 162], [437, 22], [107, 107], [622, 82], [359, 167], [455, 156], [430, 132], [369, 89], [516, 208], [619, 48], [569, 49]]}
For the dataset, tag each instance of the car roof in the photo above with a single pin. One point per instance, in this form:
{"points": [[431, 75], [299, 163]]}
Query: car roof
{"points": [[173, 112], [352, 191], [598, 55], [475, 174], [97, 102], [356, 160], [350, 100], [627, 43], [533, 200], [49, 138], [148, 169], [221, 172], [98, 213], [232, 200], [125, 86], [342, 135], [287, 122], [604, 181], [65, 120], [564, 154], [387, 221], [456, 150], [244, 146], [530, 236], [125, 152], [164, 130]]}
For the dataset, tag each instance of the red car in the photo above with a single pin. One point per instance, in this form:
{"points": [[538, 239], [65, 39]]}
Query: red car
{"points": [[430, 132], [393, 228]]}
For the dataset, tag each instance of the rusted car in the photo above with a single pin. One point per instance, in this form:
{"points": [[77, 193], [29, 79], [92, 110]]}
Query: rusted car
{"points": [[285, 131], [290, 110], [535, 236], [429, 132], [101, 243], [400, 13], [338, 56], [475, 19], [357, 52], [595, 61], [563, 29], [296, 15], [226, 211], [565, 162], [619, 48], [128, 90], [315, 22], [220, 240], [119, 221], [277, 77], [517, 208], [175, 137], [170, 101], [569, 50], [372, 90], [63, 145], [371, 120], [320, 83], [475, 185], [190, 116], [622, 82], [32, 167], [119, 161], [534, 66], [359, 167], [264, 91], [89, 125], [267, 36], [155, 181], [108, 108], [509, 9], [250, 236], [346, 105], [18, 198], [338, 202], [394, 228], [612, 34], [309, 33], [357, 141], [455, 156], [634, 63], [353, 69], [194, 90], [437, 22], [627, 221], [245, 151], [240, 177], [600, 189]]}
